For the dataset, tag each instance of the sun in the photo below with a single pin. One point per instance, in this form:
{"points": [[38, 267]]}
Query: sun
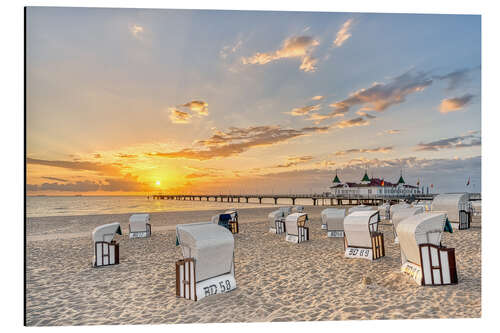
{"points": [[158, 183]]}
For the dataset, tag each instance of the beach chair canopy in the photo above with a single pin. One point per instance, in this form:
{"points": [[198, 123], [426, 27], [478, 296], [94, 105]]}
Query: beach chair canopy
{"points": [[106, 232], [273, 216], [359, 209], [211, 246], [287, 210], [293, 221], [398, 206], [357, 228], [424, 228], [451, 204], [333, 218], [403, 213], [138, 222]]}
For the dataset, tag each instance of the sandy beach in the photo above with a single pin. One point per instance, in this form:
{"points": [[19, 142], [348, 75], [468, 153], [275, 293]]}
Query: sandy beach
{"points": [[277, 280]]}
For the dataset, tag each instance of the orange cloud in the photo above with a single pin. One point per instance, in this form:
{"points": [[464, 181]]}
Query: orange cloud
{"points": [[293, 47], [454, 104], [200, 107], [179, 117], [343, 34]]}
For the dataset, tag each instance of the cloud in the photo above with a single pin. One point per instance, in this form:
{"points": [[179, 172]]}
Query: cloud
{"points": [[179, 117], [196, 175], [365, 150], [199, 107], [455, 78], [120, 155], [228, 49], [304, 110], [355, 122], [317, 98], [293, 161], [343, 34], [389, 131], [381, 96], [79, 186], [293, 47], [364, 114], [106, 169], [463, 141], [238, 140], [454, 104], [136, 30], [56, 179]]}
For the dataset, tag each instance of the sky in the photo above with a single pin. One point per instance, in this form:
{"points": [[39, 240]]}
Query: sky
{"points": [[134, 101]]}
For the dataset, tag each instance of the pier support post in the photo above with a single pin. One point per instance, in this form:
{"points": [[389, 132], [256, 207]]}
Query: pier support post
{"points": [[293, 201], [246, 199], [275, 201], [314, 202], [260, 200]]}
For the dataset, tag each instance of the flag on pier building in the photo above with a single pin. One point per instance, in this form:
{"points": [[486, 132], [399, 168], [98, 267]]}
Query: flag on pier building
{"points": [[468, 181]]}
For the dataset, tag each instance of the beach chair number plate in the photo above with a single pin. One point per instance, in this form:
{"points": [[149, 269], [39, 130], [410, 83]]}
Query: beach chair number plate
{"points": [[354, 252], [335, 233], [217, 285], [138, 234], [323, 227], [413, 271]]}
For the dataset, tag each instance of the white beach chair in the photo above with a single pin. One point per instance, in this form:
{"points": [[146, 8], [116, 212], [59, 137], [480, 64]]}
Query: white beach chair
{"points": [[359, 208], [476, 208], [333, 221], [139, 226], [362, 239], [422, 256], [287, 210], [297, 209], [384, 211], [456, 206], [228, 219], [401, 214], [276, 220], [207, 267], [395, 207], [106, 249], [296, 231]]}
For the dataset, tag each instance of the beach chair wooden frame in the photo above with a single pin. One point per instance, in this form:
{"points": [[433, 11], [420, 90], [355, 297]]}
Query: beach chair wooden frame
{"points": [[464, 219], [280, 226], [377, 249], [438, 266], [106, 253]]}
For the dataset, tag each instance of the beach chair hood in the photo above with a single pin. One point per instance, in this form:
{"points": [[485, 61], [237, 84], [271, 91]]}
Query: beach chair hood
{"points": [[359, 209], [292, 222], [138, 222], [333, 218], [424, 228], [273, 216], [357, 228], [211, 245], [451, 204], [106, 232], [403, 213]]}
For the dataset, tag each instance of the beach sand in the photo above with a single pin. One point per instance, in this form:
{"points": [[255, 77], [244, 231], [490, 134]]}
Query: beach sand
{"points": [[276, 280]]}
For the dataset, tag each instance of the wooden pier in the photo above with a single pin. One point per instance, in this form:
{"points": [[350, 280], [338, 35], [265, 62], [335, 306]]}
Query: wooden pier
{"points": [[316, 199]]}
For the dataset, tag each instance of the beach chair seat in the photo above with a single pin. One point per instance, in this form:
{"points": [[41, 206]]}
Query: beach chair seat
{"points": [[457, 206], [332, 220], [361, 236], [139, 226], [423, 257], [296, 231], [106, 249], [207, 266]]}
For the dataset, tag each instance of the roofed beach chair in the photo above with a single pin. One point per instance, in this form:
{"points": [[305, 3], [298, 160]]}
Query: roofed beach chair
{"points": [[287, 210], [401, 214], [361, 236], [384, 211], [233, 222], [297, 209], [333, 220], [422, 256], [139, 226], [296, 230], [106, 249], [228, 220], [276, 220], [359, 208], [456, 206], [395, 207], [207, 267]]}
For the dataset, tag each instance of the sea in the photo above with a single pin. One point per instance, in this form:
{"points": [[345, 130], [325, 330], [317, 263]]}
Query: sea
{"points": [[39, 206]]}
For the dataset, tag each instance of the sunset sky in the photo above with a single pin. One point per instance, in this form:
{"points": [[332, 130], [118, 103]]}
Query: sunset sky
{"points": [[129, 101]]}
